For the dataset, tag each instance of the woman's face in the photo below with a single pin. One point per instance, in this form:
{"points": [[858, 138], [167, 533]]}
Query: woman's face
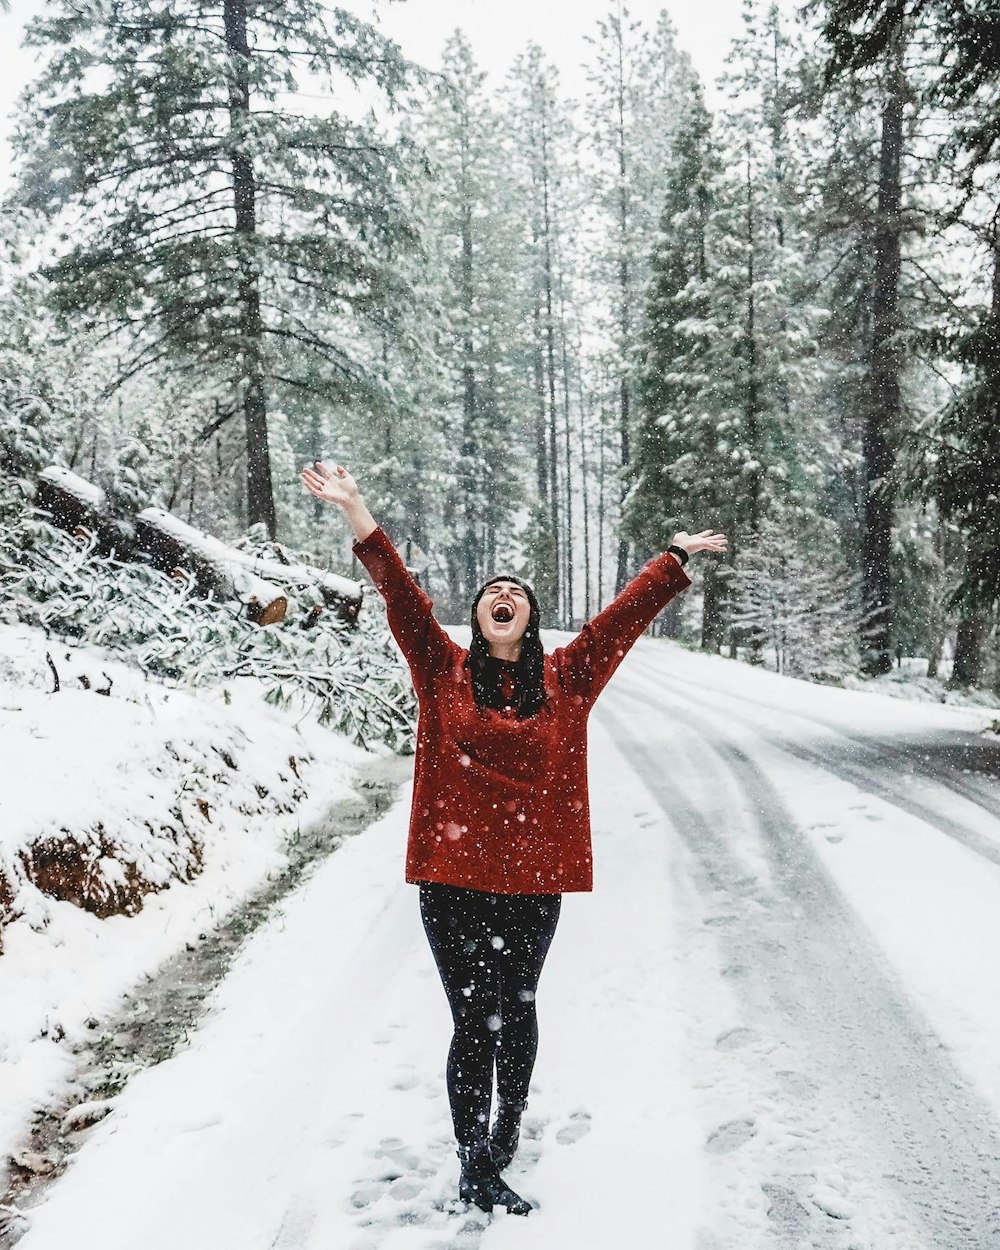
{"points": [[503, 613]]}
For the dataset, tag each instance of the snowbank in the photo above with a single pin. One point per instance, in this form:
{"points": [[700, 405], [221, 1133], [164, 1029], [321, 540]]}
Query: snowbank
{"points": [[108, 799]]}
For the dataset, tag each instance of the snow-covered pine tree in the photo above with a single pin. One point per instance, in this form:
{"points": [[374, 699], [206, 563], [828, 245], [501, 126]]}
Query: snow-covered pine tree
{"points": [[881, 65], [793, 599], [632, 110], [737, 401], [670, 476], [547, 190], [954, 455], [213, 223], [472, 243]]}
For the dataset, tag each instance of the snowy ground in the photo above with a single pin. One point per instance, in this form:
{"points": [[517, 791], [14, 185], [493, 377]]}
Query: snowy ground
{"points": [[76, 758], [773, 1023]]}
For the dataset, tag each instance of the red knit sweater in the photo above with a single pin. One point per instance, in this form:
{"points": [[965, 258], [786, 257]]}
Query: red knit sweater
{"points": [[501, 804]]}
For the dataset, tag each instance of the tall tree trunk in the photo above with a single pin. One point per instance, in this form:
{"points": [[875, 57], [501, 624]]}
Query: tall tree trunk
{"points": [[711, 609], [624, 314], [883, 416], [470, 544], [969, 665], [550, 350], [601, 495], [260, 492], [970, 638], [568, 545], [584, 476], [752, 408], [538, 363]]}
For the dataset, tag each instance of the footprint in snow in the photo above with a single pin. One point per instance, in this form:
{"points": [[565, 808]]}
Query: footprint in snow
{"points": [[578, 1126], [731, 1136], [785, 1209], [733, 1039], [406, 1080], [797, 1083], [365, 1194], [397, 1159]]}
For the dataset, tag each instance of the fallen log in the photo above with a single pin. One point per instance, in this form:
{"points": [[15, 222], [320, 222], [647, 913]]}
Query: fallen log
{"points": [[335, 591], [77, 505], [217, 567], [168, 544]]}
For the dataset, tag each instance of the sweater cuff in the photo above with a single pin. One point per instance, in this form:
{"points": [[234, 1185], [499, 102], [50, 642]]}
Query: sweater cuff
{"points": [[669, 565], [375, 541]]}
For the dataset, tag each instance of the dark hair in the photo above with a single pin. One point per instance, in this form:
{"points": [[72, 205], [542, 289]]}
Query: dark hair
{"points": [[529, 669]]}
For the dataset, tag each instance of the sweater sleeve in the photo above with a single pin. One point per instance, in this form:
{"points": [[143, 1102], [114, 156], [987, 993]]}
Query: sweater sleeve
{"points": [[586, 664], [421, 639]]}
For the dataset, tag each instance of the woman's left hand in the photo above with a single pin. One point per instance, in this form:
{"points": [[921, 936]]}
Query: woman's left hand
{"points": [[707, 540]]}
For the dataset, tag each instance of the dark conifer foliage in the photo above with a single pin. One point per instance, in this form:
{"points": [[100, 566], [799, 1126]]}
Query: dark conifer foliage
{"points": [[216, 223], [674, 339]]}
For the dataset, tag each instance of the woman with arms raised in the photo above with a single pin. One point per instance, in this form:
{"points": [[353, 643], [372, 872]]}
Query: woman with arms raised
{"points": [[500, 823]]}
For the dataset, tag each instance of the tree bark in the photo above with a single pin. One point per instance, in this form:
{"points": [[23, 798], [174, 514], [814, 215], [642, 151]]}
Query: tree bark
{"points": [[260, 492], [470, 546], [624, 315], [883, 416], [550, 350], [970, 638]]}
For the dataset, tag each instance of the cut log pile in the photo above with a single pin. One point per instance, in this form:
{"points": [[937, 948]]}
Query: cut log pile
{"points": [[166, 543]]}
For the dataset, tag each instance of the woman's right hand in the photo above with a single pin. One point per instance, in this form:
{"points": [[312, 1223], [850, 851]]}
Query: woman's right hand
{"points": [[332, 485]]}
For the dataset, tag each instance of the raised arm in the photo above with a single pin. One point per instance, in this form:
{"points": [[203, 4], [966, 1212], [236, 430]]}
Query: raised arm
{"points": [[587, 663], [408, 608]]}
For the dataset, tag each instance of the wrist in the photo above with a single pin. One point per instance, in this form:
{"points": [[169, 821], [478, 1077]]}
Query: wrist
{"points": [[680, 552], [360, 519]]}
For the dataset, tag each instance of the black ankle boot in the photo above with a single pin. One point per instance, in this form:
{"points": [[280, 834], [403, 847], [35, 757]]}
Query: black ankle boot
{"points": [[506, 1130], [482, 1184]]}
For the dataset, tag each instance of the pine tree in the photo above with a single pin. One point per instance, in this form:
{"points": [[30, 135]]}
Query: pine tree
{"points": [[472, 241], [636, 83], [728, 375], [954, 457], [885, 358], [219, 231], [794, 598], [545, 187], [670, 377]]}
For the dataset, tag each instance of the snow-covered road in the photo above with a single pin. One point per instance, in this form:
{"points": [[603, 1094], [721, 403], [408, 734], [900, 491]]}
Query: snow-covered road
{"points": [[773, 1024]]}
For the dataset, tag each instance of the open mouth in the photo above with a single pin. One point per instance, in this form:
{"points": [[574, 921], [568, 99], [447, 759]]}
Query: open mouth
{"points": [[502, 612]]}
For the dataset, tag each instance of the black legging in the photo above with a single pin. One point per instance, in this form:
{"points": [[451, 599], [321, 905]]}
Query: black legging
{"points": [[489, 949]]}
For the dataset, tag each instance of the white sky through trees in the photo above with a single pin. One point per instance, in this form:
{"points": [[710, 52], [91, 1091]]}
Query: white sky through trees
{"points": [[497, 29]]}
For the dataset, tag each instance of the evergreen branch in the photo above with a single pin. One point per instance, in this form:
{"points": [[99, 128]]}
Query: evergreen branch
{"points": [[949, 299], [168, 161], [308, 387], [216, 424], [929, 362], [327, 351], [141, 359], [122, 377]]}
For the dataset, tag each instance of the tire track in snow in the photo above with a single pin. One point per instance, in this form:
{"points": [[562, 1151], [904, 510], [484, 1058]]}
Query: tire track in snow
{"points": [[879, 769], [810, 974]]}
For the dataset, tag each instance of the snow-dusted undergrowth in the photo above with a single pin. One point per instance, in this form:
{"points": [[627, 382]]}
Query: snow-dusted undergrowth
{"points": [[347, 676]]}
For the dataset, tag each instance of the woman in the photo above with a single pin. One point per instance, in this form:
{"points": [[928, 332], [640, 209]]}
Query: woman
{"points": [[500, 823]]}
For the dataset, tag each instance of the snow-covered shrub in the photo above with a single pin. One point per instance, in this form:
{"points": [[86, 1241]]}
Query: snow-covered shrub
{"points": [[348, 676], [795, 599]]}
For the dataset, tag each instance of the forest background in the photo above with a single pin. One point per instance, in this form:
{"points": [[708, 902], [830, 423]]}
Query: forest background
{"points": [[544, 332]]}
